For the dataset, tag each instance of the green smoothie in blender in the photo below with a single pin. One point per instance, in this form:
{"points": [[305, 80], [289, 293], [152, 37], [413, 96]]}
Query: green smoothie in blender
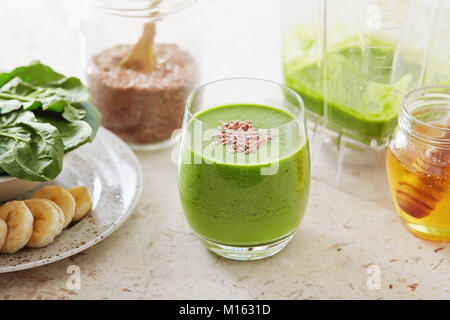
{"points": [[347, 82]]}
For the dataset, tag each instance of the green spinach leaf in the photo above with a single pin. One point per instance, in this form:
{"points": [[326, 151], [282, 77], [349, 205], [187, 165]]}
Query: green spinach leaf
{"points": [[40, 75], [74, 134], [31, 151], [7, 106], [43, 115], [73, 113], [93, 117], [13, 118]]}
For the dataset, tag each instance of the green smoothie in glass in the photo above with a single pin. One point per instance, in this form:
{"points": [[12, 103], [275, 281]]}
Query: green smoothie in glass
{"points": [[244, 195]]}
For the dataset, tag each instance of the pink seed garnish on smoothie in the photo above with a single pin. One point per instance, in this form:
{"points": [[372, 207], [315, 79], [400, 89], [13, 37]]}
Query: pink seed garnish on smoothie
{"points": [[242, 136]]}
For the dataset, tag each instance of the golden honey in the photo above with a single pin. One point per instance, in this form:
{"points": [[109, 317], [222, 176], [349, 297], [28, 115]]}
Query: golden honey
{"points": [[421, 192]]}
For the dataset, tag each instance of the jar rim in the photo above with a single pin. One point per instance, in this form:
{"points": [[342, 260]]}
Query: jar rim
{"points": [[424, 96], [141, 9]]}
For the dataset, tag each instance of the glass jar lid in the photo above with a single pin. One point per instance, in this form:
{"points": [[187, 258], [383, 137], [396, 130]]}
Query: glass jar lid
{"points": [[141, 8]]}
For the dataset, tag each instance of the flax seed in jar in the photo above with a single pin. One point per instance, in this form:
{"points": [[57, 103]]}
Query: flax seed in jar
{"points": [[142, 62]]}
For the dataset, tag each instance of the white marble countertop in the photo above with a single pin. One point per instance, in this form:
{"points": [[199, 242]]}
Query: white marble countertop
{"points": [[342, 248]]}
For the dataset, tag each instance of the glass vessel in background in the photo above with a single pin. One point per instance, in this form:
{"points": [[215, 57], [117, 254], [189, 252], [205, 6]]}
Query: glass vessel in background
{"points": [[418, 163], [141, 63], [352, 61], [244, 170]]}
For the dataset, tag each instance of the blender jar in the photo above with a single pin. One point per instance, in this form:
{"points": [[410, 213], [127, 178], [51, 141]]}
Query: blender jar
{"points": [[351, 63], [141, 63]]}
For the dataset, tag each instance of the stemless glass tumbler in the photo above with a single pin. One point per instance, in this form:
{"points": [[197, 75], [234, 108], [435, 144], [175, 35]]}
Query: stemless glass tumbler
{"points": [[142, 61], [418, 163], [244, 169]]}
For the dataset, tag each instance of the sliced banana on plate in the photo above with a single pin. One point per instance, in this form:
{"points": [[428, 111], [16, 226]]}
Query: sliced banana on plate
{"points": [[19, 220], [83, 201], [47, 222], [36, 222], [62, 198], [3, 232]]}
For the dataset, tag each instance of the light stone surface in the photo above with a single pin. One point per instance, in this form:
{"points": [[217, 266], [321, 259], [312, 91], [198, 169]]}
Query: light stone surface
{"points": [[339, 248]]}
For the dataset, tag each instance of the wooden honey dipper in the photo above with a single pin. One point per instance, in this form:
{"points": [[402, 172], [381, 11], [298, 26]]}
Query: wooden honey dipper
{"points": [[419, 196]]}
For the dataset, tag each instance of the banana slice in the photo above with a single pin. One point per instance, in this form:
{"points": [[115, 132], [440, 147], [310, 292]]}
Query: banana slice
{"points": [[61, 217], [46, 225], [20, 225], [83, 200], [3, 232], [62, 198]]}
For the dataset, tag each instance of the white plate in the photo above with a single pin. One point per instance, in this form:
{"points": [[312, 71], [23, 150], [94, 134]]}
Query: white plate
{"points": [[113, 175]]}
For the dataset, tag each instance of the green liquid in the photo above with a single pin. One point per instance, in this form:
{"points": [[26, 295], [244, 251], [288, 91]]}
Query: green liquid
{"points": [[351, 87], [226, 199]]}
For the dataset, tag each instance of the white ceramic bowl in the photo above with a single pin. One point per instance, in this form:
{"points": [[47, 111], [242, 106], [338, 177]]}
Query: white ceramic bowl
{"points": [[11, 187]]}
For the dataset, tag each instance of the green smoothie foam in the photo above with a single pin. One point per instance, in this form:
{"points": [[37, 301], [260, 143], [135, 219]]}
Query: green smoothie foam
{"points": [[226, 198], [352, 81]]}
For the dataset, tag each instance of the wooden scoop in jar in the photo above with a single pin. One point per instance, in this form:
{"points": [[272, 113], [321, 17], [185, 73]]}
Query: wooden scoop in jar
{"points": [[141, 57], [419, 195]]}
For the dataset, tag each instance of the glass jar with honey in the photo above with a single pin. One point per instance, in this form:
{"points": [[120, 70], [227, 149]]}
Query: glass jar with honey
{"points": [[418, 163]]}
